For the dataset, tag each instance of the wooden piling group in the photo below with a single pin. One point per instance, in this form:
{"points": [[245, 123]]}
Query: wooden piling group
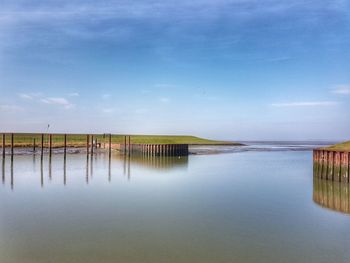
{"points": [[159, 149], [92, 142], [332, 165]]}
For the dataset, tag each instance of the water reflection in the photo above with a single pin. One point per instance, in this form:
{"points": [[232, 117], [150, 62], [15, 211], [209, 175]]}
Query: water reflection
{"points": [[87, 170], [3, 171], [126, 164], [332, 195], [157, 162]]}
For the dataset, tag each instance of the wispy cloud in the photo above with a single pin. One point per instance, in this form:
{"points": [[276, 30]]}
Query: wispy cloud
{"points": [[25, 96], [74, 94], [305, 104], [29, 96], [341, 90], [10, 108], [58, 101]]}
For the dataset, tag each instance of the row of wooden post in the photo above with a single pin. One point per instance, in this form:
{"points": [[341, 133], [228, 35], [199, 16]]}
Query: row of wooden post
{"points": [[152, 149], [161, 149], [332, 165], [88, 144]]}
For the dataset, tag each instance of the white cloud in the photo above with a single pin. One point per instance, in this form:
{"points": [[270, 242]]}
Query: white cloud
{"points": [[73, 94], [29, 96], [10, 108], [58, 101], [342, 90], [305, 104], [25, 96]]}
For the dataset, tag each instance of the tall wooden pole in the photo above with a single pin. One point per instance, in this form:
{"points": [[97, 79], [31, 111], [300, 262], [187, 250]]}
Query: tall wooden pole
{"points": [[34, 145], [50, 145], [65, 145], [87, 144], [110, 145], [129, 144], [124, 144], [92, 145], [42, 146], [3, 145], [12, 146]]}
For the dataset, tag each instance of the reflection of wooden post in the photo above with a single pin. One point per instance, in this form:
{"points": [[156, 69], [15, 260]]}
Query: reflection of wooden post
{"points": [[42, 145], [3, 145], [110, 145]]}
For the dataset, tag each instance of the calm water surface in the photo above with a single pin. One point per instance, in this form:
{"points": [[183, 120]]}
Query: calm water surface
{"points": [[236, 207]]}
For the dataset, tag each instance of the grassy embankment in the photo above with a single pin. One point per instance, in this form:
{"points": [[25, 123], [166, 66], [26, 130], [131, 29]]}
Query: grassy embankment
{"points": [[345, 146], [79, 140]]}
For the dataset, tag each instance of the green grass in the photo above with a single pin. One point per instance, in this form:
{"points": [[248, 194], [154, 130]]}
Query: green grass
{"points": [[345, 146], [79, 140]]}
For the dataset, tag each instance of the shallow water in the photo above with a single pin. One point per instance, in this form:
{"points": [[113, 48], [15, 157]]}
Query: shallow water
{"points": [[236, 207]]}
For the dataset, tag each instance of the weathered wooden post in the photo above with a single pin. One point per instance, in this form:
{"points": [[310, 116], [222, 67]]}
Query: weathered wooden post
{"points": [[42, 146], [34, 145], [87, 144], [3, 145], [337, 165], [50, 145], [65, 146], [110, 146], [12, 143], [92, 145], [344, 167], [124, 144], [129, 145]]}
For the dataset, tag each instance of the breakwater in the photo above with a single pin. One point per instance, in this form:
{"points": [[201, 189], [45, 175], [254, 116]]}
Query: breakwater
{"points": [[332, 165], [154, 149]]}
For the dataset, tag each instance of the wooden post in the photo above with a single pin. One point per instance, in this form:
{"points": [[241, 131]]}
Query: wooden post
{"points": [[65, 146], [12, 146], [110, 146], [92, 145], [50, 145], [42, 146], [124, 144], [129, 144], [34, 145], [87, 144], [3, 145]]}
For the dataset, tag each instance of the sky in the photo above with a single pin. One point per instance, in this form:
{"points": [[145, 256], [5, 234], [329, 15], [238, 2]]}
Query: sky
{"points": [[223, 69]]}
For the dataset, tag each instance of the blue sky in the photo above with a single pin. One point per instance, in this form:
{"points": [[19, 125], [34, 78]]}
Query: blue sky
{"points": [[226, 69]]}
